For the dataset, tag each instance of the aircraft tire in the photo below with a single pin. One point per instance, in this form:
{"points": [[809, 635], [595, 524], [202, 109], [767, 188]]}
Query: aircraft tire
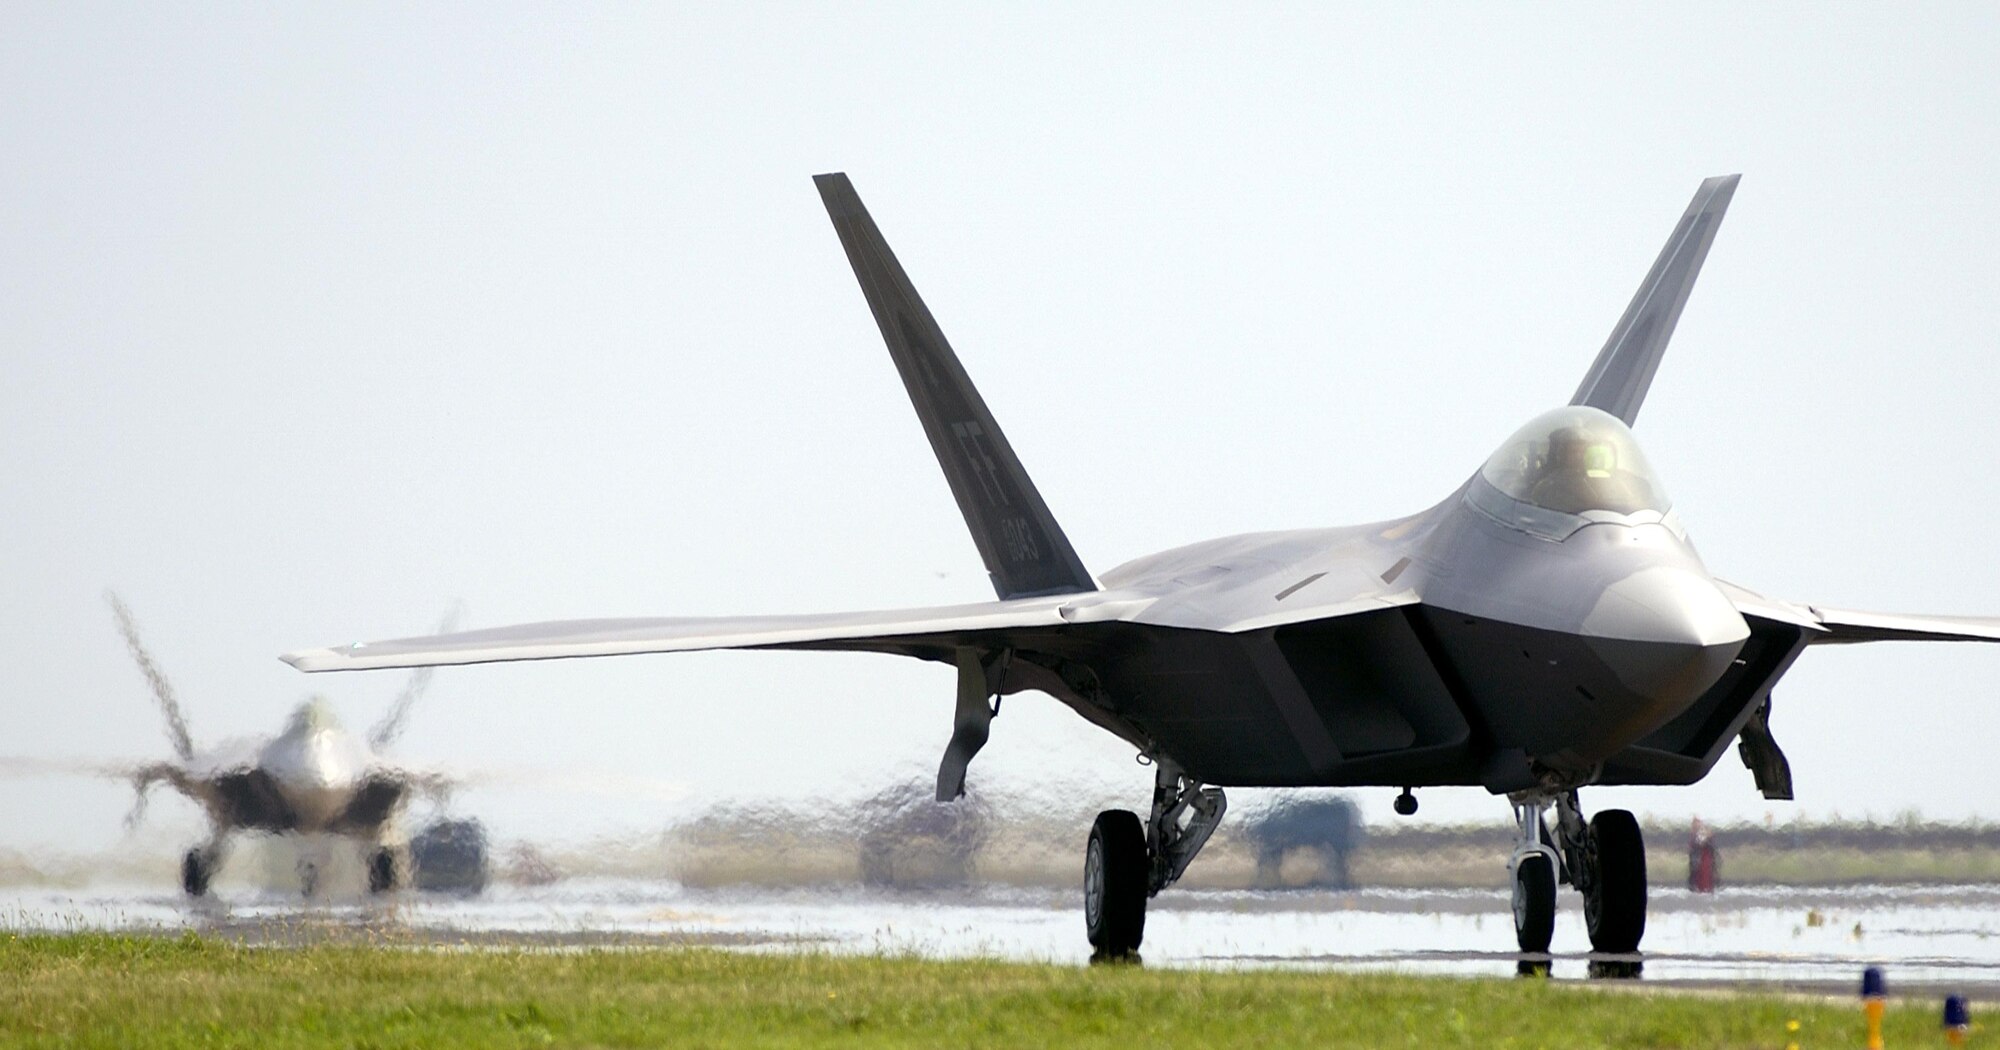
{"points": [[1534, 903], [1116, 871], [1615, 908], [196, 873], [381, 871]]}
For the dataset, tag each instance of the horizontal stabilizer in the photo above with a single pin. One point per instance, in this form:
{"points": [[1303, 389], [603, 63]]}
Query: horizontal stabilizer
{"points": [[895, 631], [1624, 369], [1024, 549]]}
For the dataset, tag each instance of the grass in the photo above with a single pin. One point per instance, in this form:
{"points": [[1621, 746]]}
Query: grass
{"points": [[142, 992]]}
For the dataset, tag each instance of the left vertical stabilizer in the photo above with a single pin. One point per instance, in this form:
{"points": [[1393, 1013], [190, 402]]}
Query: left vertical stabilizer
{"points": [[1024, 549]]}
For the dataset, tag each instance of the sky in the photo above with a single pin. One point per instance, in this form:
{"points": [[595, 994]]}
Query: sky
{"points": [[316, 320]]}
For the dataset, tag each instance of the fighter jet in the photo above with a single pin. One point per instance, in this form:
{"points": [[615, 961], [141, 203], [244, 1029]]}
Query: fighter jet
{"points": [[1545, 628], [314, 778]]}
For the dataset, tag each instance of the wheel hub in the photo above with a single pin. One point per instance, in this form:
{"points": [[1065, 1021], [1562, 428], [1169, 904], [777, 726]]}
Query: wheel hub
{"points": [[1093, 883]]}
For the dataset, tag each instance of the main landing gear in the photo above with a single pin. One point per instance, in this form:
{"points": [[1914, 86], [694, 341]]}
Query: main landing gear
{"points": [[1126, 863], [1604, 859]]}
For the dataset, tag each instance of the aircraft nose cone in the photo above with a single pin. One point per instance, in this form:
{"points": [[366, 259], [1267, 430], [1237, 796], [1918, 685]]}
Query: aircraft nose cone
{"points": [[1669, 605], [1667, 633]]}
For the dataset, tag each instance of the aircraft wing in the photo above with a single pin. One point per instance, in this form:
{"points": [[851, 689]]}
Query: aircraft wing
{"points": [[1825, 626], [1846, 627], [930, 633], [37, 766]]}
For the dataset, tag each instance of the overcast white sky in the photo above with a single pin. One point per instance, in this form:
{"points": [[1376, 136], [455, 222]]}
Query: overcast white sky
{"points": [[315, 319]]}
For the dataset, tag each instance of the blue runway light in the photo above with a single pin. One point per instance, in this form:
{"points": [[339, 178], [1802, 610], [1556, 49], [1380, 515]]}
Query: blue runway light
{"points": [[1874, 989], [1957, 1019]]}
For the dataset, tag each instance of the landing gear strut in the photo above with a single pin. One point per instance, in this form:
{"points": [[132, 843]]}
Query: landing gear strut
{"points": [[1125, 863], [1532, 869], [1605, 859]]}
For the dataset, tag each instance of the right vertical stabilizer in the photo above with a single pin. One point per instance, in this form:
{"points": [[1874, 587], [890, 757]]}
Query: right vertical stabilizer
{"points": [[1624, 369]]}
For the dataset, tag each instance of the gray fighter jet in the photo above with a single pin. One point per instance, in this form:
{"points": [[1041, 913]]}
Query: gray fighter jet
{"points": [[1544, 628], [315, 778]]}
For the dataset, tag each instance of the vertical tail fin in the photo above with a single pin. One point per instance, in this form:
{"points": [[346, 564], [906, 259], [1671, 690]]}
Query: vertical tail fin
{"points": [[163, 689], [1624, 369], [1024, 549]]}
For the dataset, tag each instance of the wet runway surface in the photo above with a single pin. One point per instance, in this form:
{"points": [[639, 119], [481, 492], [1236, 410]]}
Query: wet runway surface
{"points": [[1814, 940]]}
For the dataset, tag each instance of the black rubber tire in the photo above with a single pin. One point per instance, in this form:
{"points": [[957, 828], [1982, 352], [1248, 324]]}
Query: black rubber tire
{"points": [[1615, 908], [1117, 871], [381, 871], [195, 873], [1534, 903]]}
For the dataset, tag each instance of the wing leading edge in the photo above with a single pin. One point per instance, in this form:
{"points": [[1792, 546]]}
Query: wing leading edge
{"points": [[1030, 560], [1848, 626], [1828, 626], [885, 631]]}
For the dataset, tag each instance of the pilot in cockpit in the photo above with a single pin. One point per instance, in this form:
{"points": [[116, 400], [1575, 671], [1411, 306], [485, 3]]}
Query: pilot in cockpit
{"points": [[1580, 474]]}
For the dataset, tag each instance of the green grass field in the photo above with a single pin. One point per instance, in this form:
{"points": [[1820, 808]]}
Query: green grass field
{"points": [[120, 991]]}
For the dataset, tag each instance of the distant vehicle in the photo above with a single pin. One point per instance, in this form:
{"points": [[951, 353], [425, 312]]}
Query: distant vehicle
{"points": [[1329, 828], [1545, 627], [314, 777], [910, 840], [450, 856]]}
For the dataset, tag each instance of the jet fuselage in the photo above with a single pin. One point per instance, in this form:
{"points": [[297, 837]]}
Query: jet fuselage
{"points": [[1531, 637], [314, 777]]}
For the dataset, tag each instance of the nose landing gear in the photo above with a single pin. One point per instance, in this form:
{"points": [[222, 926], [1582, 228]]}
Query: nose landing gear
{"points": [[1532, 868], [1605, 859], [388, 869], [198, 867], [1613, 882]]}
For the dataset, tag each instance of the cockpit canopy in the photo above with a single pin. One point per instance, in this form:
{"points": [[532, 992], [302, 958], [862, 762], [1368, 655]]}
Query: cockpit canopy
{"points": [[314, 716], [1568, 467]]}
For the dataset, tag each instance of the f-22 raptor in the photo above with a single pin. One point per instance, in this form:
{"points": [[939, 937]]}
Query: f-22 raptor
{"points": [[1544, 628], [314, 779]]}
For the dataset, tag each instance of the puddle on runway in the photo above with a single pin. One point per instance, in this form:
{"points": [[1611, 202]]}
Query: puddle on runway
{"points": [[1817, 938]]}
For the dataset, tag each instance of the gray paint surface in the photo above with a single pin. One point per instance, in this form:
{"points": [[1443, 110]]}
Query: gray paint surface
{"points": [[1553, 643], [1024, 550], [1618, 380]]}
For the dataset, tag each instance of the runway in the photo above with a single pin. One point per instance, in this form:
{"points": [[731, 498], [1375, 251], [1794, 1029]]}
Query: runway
{"points": [[1928, 939]]}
